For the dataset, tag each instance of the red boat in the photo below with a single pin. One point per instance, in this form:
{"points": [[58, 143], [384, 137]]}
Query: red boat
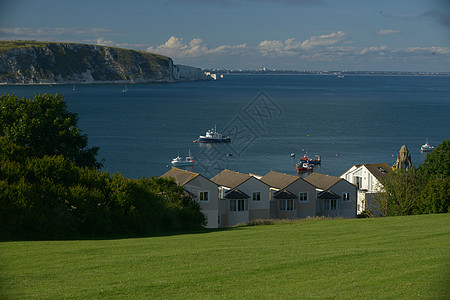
{"points": [[315, 161], [304, 167]]}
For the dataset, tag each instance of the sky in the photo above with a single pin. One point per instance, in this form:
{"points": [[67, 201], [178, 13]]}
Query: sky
{"points": [[345, 35]]}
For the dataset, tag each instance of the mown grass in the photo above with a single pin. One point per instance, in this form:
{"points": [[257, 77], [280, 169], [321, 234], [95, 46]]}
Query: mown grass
{"points": [[385, 258]]}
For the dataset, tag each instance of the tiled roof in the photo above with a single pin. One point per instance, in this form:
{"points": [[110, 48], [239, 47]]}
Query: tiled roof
{"points": [[181, 176], [378, 170], [278, 180], [322, 181], [284, 194], [236, 194], [328, 195], [230, 179]]}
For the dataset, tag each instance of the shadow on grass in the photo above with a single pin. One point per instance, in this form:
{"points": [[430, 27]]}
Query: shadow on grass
{"points": [[240, 226]]}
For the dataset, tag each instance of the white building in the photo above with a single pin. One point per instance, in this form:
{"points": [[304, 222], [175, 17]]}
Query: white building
{"points": [[368, 178]]}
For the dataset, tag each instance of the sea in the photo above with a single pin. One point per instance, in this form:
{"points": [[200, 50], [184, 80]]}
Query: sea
{"points": [[357, 119]]}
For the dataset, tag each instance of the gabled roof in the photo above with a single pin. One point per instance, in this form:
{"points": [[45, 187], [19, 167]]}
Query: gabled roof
{"points": [[181, 176], [284, 194], [278, 180], [327, 195], [230, 179], [378, 170], [236, 194], [322, 181]]}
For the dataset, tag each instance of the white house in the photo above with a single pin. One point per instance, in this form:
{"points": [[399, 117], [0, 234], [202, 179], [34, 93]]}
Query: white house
{"points": [[202, 189], [336, 197], [368, 178], [242, 197], [291, 196]]}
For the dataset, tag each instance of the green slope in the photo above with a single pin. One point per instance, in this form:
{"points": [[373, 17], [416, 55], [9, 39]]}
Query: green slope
{"points": [[393, 258]]}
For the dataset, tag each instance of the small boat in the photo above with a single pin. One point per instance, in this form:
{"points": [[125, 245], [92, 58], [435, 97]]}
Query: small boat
{"points": [[212, 136], [304, 167], [316, 160], [73, 88], [340, 76], [125, 89], [292, 155], [426, 147], [188, 161]]}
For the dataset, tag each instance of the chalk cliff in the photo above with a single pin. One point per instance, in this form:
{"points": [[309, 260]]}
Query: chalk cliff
{"points": [[29, 62]]}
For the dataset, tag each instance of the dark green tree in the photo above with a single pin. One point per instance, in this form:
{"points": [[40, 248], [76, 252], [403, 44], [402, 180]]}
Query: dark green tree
{"points": [[437, 163], [43, 126]]}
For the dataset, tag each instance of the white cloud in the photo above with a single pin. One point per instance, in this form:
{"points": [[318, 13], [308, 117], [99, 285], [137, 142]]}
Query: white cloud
{"points": [[102, 42], [367, 50], [176, 47], [324, 40], [387, 32]]}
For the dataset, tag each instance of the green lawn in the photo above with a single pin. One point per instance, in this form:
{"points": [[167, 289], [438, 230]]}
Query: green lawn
{"points": [[385, 258]]}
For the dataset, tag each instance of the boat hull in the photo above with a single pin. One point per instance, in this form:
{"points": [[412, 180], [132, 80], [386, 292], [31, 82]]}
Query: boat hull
{"points": [[212, 140], [182, 164]]}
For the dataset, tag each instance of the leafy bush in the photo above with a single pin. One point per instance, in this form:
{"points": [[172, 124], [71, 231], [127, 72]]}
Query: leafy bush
{"points": [[50, 186]]}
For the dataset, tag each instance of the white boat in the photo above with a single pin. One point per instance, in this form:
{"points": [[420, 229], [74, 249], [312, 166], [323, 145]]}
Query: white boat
{"points": [[188, 161], [426, 147], [125, 89], [212, 136]]}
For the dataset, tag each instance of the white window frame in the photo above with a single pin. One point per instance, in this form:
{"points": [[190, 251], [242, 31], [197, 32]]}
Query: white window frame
{"points": [[307, 197], [327, 204], [283, 205], [258, 193], [238, 205], [200, 197], [346, 197]]}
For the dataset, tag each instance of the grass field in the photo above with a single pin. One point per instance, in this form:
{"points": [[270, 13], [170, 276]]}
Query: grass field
{"points": [[385, 258]]}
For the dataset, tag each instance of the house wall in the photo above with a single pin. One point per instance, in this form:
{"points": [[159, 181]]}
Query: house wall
{"points": [[237, 217], [223, 213], [209, 208], [304, 209], [257, 209], [368, 181], [346, 209]]}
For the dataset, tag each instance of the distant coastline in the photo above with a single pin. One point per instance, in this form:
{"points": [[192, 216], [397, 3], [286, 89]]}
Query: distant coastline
{"points": [[266, 71]]}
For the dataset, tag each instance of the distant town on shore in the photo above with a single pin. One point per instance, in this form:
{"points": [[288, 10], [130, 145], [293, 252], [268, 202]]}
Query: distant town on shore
{"points": [[267, 71]]}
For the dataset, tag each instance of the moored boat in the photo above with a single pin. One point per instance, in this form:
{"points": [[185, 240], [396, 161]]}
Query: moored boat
{"points": [[304, 167], [426, 147], [212, 136], [316, 160], [188, 161]]}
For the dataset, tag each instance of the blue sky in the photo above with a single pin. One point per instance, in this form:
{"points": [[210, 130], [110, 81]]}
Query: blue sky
{"points": [[386, 35]]}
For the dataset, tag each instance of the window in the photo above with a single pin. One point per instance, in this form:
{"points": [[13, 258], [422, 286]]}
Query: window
{"points": [[256, 196], [287, 204], [238, 205], [203, 196], [330, 204], [303, 197], [346, 197], [219, 220]]}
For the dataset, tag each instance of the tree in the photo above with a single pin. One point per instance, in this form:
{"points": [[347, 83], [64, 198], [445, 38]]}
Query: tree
{"points": [[437, 163], [401, 193], [43, 126]]}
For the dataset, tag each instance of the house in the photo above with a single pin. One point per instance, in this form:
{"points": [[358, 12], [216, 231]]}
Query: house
{"points": [[291, 196], [336, 197], [200, 188], [368, 178], [242, 197]]}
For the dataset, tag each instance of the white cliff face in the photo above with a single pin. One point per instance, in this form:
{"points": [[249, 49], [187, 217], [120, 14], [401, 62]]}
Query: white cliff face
{"points": [[187, 73], [79, 63]]}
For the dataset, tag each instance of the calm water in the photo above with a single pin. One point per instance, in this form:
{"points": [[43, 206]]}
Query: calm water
{"points": [[354, 120]]}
